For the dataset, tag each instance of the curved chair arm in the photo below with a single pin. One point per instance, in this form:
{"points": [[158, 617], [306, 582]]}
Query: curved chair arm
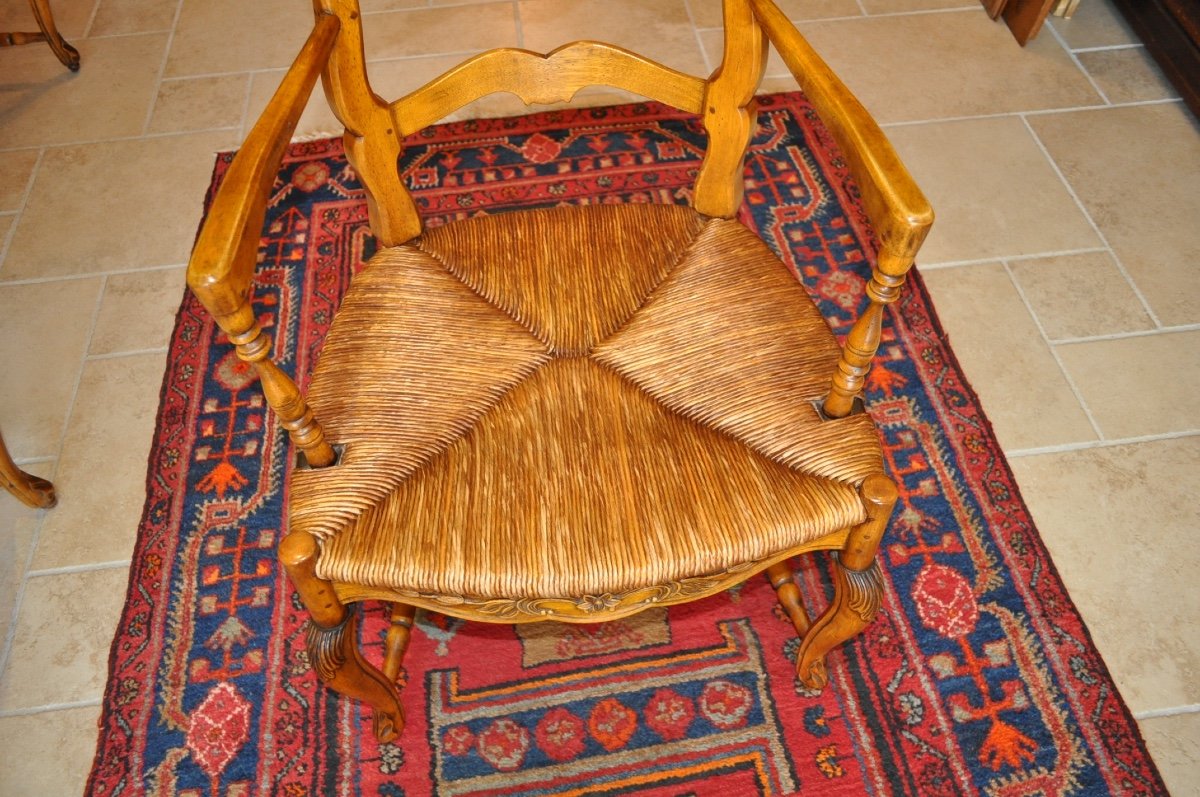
{"points": [[898, 210], [222, 264]]}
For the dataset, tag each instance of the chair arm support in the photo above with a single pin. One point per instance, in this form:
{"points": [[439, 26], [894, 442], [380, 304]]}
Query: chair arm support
{"points": [[223, 260], [221, 268], [899, 212]]}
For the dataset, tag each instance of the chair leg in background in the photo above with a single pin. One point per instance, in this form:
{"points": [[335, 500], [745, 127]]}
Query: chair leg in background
{"points": [[45, 20], [333, 639], [29, 489], [399, 632], [858, 586]]}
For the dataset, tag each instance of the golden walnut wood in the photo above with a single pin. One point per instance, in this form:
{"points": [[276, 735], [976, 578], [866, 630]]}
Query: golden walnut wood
{"points": [[542, 415], [29, 489], [47, 32]]}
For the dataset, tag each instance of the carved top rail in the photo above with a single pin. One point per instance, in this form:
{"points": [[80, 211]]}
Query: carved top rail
{"points": [[542, 79]]}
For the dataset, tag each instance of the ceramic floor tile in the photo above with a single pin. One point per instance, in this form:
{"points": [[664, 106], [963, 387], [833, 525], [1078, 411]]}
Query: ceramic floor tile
{"points": [[1174, 743], [317, 118], [114, 17], [1097, 23], [71, 19], [1107, 516], [18, 523], [49, 753], [64, 631], [432, 31], [1077, 296], [1127, 75], [131, 204], [951, 64], [138, 311], [16, 168], [216, 36], [108, 98], [376, 6], [992, 190], [6, 224], [1023, 390], [1140, 189], [707, 13], [44, 330], [900, 6], [658, 29], [1138, 386], [200, 103], [101, 482]]}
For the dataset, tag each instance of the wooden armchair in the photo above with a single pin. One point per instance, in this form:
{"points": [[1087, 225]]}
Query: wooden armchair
{"points": [[552, 415]]}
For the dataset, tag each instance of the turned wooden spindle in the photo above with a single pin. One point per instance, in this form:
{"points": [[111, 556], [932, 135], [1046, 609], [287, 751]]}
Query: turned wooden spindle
{"points": [[780, 576], [254, 347], [398, 635], [861, 344]]}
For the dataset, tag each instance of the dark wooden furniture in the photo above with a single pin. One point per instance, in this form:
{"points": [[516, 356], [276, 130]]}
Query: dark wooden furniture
{"points": [[571, 414], [1170, 29], [47, 33]]}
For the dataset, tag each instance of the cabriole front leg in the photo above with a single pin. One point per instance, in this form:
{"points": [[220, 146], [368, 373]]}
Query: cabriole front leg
{"points": [[333, 639], [858, 585]]}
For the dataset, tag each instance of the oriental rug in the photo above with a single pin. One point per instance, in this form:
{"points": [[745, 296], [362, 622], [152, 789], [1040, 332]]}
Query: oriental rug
{"points": [[978, 677]]}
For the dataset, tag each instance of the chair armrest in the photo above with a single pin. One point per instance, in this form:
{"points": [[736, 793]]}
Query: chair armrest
{"points": [[222, 263], [898, 210]]}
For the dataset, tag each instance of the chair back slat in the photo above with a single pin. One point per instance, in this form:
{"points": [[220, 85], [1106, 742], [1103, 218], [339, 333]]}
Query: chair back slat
{"points": [[375, 128], [543, 79]]}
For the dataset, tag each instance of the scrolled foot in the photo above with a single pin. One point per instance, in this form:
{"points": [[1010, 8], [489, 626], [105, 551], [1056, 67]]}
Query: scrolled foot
{"points": [[856, 600], [814, 676], [333, 653]]}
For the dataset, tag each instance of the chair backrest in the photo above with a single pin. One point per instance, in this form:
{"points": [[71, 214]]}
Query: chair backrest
{"points": [[375, 128]]}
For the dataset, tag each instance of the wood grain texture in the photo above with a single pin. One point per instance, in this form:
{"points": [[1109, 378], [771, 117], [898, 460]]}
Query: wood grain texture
{"points": [[47, 32], [899, 212], [574, 413], [222, 264]]}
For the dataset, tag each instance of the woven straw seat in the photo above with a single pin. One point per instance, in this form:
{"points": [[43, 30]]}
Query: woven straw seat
{"points": [[574, 413], [465, 378]]}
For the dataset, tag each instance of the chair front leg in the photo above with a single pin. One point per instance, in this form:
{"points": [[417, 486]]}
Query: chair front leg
{"points": [[858, 586], [333, 639]]}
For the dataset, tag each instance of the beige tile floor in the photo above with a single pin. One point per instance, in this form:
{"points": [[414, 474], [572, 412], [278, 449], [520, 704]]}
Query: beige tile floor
{"points": [[1066, 177]]}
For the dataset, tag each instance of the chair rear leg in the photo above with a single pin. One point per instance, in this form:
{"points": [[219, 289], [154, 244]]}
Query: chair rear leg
{"points": [[858, 585], [333, 639], [399, 632]]}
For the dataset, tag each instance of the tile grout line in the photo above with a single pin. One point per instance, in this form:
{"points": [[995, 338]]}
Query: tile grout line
{"points": [[1066, 448], [243, 132], [1087, 411], [518, 23], [162, 68], [687, 7], [49, 707], [1031, 112], [1079, 64], [1088, 250], [87, 29], [90, 567], [11, 235], [1095, 227], [1173, 711], [88, 275], [19, 598], [1141, 333], [126, 139], [117, 355], [1108, 48]]}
